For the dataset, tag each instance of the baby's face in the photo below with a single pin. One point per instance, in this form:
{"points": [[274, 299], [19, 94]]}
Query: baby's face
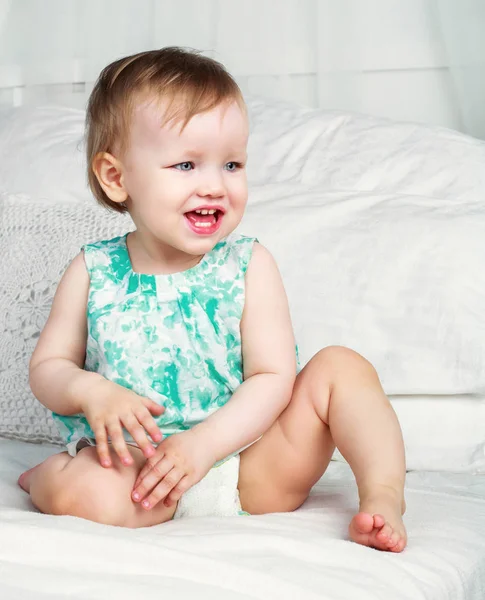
{"points": [[187, 189]]}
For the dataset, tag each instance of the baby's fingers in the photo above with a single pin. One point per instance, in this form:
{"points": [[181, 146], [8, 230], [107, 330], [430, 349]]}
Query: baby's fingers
{"points": [[148, 423], [163, 488], [144, 484], [182, 486], [102, 448], [118, 442], [148, 466], [138, 433], [153, 407]]}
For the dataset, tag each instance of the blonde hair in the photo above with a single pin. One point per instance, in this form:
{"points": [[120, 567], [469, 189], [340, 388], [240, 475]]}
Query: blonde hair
{"points": [[191, 83]]}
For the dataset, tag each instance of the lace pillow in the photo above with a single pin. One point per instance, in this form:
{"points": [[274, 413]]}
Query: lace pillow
{"points": [[37, 242]]}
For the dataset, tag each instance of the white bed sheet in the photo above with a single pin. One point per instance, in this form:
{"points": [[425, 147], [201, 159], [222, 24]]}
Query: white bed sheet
{"points": [[302, 555]]}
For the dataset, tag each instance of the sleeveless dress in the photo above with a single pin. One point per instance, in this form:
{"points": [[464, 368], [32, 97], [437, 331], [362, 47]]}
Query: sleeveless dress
{"points": [[172, 338]]}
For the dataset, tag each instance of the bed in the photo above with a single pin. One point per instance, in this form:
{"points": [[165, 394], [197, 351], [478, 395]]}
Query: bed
{"points": [[379, 231], [284, 556]]}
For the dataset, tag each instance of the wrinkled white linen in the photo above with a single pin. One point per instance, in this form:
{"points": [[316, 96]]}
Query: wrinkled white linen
{"points": [[301, 555]]}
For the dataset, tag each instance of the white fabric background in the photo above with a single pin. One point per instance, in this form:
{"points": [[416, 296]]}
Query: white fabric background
{"points": [[417, 60]]}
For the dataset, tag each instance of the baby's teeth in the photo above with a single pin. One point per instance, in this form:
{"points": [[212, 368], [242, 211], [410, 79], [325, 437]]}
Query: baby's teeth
{"points": [[205, 212], [199, 224]]}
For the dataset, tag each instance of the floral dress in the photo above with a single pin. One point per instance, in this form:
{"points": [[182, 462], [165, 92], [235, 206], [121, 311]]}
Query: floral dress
{"points": [[172, 338]]}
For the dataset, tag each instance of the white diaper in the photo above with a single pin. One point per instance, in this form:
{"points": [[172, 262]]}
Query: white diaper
{"points": [[214, 496]]}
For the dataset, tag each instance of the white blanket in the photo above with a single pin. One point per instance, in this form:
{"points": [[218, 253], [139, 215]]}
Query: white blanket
{"points": [[302, 555]]}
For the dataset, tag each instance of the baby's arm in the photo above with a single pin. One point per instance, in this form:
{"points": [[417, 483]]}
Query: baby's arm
{"points": [[269, 362], [56, 376], [60, 383]]}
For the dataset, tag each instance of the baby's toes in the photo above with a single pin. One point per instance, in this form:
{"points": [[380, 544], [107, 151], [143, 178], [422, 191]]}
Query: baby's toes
{"points": [[384, 534], [24, 479], [399, 547], [363, 523], [394, 539], [379, 521]]}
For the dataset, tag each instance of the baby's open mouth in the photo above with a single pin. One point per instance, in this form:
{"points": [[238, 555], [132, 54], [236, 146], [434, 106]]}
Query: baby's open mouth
{"points": [[205, 221]]}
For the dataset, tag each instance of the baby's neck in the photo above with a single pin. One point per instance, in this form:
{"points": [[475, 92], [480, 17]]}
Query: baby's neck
{"points": [[156, 259]]}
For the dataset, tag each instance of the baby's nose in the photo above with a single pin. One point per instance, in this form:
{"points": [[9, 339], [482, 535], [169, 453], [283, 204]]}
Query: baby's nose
{"points": [[212, 185]]}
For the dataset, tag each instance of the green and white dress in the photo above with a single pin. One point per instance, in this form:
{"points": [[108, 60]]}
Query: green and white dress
{"points": [[172, 338]]}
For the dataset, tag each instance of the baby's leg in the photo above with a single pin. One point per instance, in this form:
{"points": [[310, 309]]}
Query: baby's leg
{"points": [[81, 487], [337, 400]]}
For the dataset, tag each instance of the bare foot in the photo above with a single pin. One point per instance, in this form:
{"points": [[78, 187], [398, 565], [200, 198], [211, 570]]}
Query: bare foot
{"points": [[379, 523], [24, 479]]}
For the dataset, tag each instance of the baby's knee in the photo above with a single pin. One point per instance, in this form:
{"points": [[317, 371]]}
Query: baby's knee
{"points": [[84, 489], [335, 367], [95, 493], [339, 360]]}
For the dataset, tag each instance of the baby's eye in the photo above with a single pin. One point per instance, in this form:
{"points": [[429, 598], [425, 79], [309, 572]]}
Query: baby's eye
{"points": [[184, 166], [232, 166]]}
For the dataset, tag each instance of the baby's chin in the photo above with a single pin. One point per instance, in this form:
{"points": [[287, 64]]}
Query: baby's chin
{"points": [[197, 244], [199, 247]]}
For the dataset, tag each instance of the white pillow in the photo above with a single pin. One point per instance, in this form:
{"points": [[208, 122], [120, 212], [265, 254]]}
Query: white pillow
{"points": [[42, 153], [36, 244], [442, 432], [348, 151], [397, 278]]}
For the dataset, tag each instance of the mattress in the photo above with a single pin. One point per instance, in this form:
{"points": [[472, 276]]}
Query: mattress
{"points": [[301, 555]]}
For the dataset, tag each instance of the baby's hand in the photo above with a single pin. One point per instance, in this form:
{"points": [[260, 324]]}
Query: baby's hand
{"points": [[180, 462], [109, 408]]}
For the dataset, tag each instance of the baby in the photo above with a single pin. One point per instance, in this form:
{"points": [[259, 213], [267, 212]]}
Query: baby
{"points": [[168, 358]]}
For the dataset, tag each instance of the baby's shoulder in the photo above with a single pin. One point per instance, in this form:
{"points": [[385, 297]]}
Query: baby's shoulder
{"points": [[251, 251], [232, 255], [107, 255], [109, 246]]}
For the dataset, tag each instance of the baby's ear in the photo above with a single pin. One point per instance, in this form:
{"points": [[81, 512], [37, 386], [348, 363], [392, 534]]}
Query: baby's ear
{"points": [[109, 173]]}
